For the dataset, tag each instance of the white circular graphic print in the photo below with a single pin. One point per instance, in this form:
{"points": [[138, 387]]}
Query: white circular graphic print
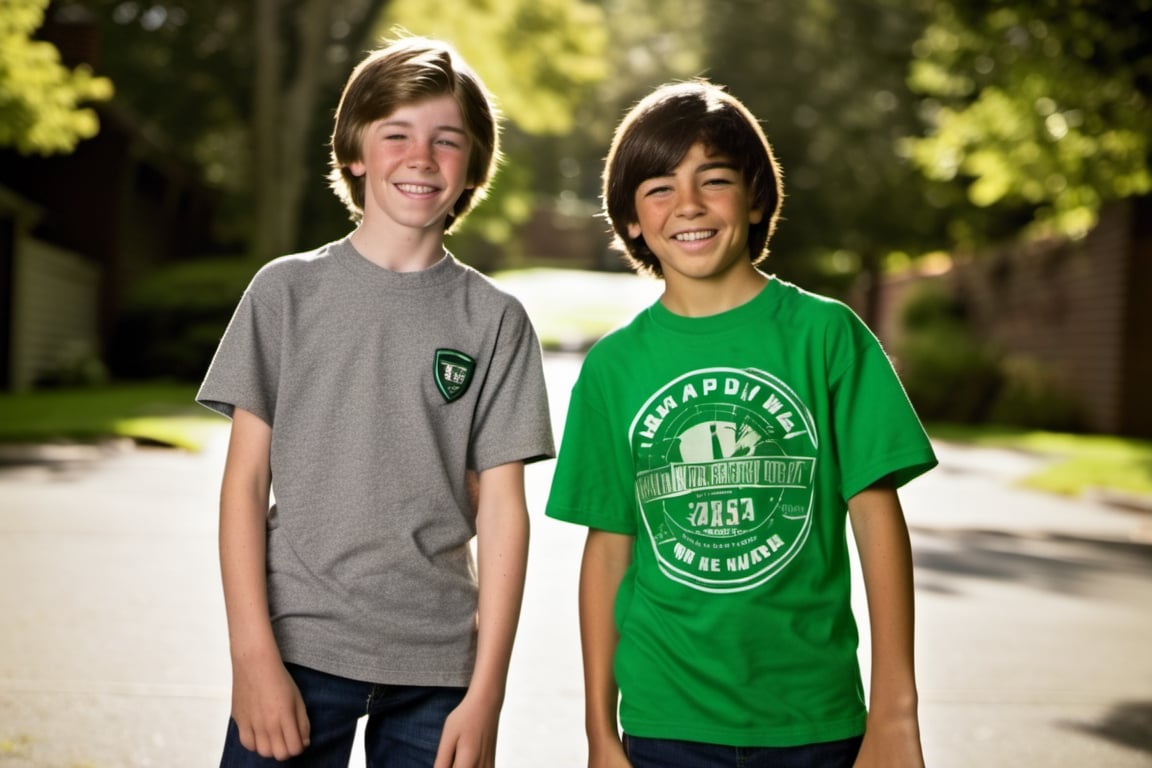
{"points": [[725, 463]]}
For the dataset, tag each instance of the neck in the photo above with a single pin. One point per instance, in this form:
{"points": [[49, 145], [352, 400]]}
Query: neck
{"points": [[399, 251], [701, 298]]}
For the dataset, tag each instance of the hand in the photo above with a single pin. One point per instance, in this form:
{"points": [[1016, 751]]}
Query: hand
{"points": [[891, 742], [268, 710], [469, 737], [607, 755]]}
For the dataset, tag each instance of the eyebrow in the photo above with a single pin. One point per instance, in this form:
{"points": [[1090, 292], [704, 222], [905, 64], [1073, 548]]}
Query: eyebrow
{"points": [[725, 165], [409, 124]]}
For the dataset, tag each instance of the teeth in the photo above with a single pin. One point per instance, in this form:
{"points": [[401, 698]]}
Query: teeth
{"points": [[693, 236], [416, 189]]}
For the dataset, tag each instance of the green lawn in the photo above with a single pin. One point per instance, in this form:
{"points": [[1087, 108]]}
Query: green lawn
{"points": [[1078, 463], [158, 413]]}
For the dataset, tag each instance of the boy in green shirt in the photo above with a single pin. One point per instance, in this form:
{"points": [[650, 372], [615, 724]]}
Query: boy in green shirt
{"points": [[713, 447]]}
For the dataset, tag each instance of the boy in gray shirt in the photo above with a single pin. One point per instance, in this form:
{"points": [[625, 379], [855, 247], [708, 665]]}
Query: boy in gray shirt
{"points": [[388, 397]]}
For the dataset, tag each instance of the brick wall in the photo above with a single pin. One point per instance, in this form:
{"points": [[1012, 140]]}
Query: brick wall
{"points": [[1082, 311]]}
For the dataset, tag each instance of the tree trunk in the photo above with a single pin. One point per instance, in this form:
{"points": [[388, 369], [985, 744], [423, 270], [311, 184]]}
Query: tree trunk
{"points": [[285, 107], [265, 136], [310, 72]]}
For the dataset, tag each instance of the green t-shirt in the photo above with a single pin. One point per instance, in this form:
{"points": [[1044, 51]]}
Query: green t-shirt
{"points": [[728, 446]]}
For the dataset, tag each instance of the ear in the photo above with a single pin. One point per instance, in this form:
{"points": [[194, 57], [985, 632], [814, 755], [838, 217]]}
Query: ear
{"points": [[357, 168], [634, 230], [755, 216]]}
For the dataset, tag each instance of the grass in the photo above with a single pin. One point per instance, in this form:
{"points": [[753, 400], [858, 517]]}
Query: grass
{"points": [[152, 413], [1079, 463]]}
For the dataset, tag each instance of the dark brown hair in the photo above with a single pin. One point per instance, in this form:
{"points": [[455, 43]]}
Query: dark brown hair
{"points": [[655, 136]]}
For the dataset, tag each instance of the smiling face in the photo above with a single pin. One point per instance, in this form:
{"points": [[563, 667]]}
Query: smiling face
{"points": [[415, 165], [696, 218]]}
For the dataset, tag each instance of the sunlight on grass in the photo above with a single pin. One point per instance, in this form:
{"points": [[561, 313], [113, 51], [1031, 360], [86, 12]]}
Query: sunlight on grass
{"points": [[188, 432], [157, 413], [1080, 463]]}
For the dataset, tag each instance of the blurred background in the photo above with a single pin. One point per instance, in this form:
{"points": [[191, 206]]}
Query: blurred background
{"points": [[974, 177], [971, 175]]}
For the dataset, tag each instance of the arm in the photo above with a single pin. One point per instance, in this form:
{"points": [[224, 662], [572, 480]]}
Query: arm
{"points": [[892, 735], [469, 737], [606, 558], [266, 705]]}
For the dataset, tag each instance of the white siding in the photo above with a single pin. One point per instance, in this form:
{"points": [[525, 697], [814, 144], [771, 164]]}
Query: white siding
{"points": [[54, 310]]}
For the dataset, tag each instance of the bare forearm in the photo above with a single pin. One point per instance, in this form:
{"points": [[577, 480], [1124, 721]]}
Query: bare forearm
{"points": [[502, 528], [886, 563], [892, 733], [606, 558], [244, 497]]}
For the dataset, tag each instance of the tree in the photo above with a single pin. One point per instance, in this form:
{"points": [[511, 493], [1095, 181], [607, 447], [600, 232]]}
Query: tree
{"points": [[248, 89], [1040, 109], [41, 100], [543, 61], [287, 92], [828, 80]]}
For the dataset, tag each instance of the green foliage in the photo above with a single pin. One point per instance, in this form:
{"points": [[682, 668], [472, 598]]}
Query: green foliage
{"points": [[1041, 107], [173, 320], [537, 56], [77, 365], [948, 373], [40, 99], [828, 80], [542, 60], [1032, 396], [952, 375]]}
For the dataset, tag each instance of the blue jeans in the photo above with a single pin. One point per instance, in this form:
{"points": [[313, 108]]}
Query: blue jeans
{"points": [[668, 753], [403, 729]]}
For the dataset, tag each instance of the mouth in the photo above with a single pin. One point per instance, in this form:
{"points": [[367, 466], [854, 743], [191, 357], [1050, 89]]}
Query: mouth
{"points": [[416, 189], [694, 236]]}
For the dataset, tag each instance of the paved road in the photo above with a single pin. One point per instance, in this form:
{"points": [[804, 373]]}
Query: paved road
{"points": [[1035, 621]]}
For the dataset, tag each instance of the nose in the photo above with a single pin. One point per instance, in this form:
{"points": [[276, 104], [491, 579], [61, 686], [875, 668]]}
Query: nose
{"points": [[421, 156], [688, 203]]}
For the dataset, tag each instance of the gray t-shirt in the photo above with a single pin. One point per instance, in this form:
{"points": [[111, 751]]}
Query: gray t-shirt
{"points": [[383, 389]]}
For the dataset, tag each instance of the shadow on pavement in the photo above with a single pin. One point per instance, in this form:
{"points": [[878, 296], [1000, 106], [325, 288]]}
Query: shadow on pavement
{"points": [[1053, 562], [1128, 724]]}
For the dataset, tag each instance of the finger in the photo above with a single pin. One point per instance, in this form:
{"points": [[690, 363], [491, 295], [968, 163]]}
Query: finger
{"points": [[247, 737], [270, 743], [303, 724], [445, 753], [290, 736]]}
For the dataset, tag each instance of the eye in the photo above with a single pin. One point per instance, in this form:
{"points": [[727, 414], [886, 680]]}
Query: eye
{"points": [[718, 181], [450, 143], [656, 189], [394, 137]]}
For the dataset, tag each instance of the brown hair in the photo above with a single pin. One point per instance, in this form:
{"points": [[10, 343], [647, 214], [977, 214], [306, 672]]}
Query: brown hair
{"points": [[405, 71], [655, 136]]}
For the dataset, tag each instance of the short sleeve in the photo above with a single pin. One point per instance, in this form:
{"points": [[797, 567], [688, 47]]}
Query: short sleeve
{"points": [[512, 421], [594, 481], [245, 369], [878, 433]]}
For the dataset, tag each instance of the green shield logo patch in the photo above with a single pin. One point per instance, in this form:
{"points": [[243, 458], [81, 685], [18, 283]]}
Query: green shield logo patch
{"points": [[453, 373]]}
